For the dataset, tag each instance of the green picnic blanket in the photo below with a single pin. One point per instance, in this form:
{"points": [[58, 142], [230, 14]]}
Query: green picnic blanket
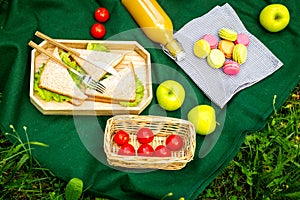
{"points": [[75, 143]]}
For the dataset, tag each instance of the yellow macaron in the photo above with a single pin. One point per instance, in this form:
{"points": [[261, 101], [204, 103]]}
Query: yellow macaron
{"points": [[201, 48], [240, 53], [228, 34], [216, 58]]}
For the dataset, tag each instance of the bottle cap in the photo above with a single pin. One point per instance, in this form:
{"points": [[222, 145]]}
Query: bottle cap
{"points": [[180, 56], [175, 49]]}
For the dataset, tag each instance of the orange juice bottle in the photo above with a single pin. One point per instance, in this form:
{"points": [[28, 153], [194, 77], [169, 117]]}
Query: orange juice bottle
{"points": [[156, 25]]}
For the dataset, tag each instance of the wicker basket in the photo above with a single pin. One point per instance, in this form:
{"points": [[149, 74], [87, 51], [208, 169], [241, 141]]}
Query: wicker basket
{"points": [[161, 127]]}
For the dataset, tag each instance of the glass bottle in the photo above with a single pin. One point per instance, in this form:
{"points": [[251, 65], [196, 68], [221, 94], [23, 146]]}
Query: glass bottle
{"points": [[156, 25]]}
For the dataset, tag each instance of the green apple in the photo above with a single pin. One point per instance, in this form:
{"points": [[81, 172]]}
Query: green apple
{"points": [[274, 17], [203, 117], [170, 95]]}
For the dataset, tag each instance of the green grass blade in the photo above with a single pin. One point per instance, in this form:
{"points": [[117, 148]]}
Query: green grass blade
{"points": [[294, 195]]}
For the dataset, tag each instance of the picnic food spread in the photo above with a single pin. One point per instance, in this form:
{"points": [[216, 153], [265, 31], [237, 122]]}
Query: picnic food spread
{"points": [[92, 63], [88, 149]]}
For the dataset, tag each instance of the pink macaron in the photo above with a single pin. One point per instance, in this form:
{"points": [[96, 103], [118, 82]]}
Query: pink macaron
{"points": [[242, 39], [231, 67], [212, 40]]}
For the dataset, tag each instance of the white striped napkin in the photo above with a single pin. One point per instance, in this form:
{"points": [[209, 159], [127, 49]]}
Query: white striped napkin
{"points": [[218, 86]]}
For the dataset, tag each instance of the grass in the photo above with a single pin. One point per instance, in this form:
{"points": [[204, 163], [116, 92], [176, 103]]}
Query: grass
{"points": [[21, 176], [267, 166]]}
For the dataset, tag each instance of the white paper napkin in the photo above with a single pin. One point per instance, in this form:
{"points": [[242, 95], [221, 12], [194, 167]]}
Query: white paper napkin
{"points": [[218, 86]]}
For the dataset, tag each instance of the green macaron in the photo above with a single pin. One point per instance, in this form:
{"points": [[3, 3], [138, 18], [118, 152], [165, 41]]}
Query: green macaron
{"points": [[240, 53], [228, 34]]}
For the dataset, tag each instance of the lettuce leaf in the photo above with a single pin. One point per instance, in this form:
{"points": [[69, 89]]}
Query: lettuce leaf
{"points": [[65, 57], [96, 47]]}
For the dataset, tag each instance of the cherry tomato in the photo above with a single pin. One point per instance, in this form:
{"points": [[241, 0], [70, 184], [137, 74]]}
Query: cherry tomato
{"points": [[162, 151], [121, 137], [145, 150], [126, 150], [145, 135], [98, 30], [101, 14], [174, 142]]}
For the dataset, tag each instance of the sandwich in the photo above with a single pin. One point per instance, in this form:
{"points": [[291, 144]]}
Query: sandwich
{"points": [[122, 89], [103, 57], [57, 79], [55, 82]]}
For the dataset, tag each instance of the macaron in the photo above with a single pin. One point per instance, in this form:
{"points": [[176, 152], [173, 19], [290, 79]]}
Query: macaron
{"points": [[226, 47], [228, 34], [212, 40], [231, 67], [242, 39], [239, 53], [216, 58], [201, 48]]}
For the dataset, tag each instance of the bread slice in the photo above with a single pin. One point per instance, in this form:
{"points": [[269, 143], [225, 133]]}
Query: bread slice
{"points": [[117, 89], [103, 57], [56, 78]]}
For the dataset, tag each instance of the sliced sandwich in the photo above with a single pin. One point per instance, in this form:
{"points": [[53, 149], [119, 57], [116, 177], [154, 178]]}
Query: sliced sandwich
{"points": [[56, 78], [102, 57], [117, 89]]}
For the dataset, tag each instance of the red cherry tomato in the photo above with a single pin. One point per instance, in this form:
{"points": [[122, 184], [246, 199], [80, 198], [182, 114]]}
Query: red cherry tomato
{"points": [[174, 142], [121, 137], [101, 14], [98, 30], [162, 151], [145, 135], [126, 150], [145, 150]]}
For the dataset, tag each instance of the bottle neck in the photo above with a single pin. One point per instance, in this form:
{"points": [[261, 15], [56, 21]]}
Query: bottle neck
{"points": [[175, 50]]}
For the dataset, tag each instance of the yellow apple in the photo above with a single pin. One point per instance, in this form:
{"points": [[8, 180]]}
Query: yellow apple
{"points": [[203, 117], [274, 17], [170, 95]]}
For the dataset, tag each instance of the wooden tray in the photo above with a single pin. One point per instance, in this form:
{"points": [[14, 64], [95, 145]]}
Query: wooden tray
{"points": [[135, 53]]}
